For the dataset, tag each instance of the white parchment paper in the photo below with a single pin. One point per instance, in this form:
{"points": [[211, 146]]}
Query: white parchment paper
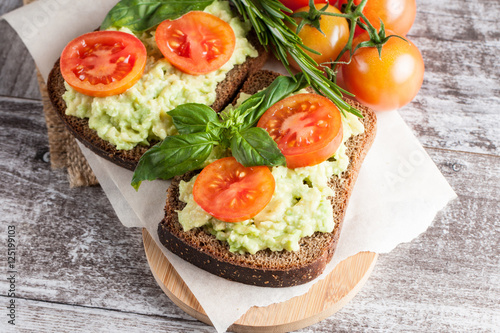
{"points": [[397, 195]]}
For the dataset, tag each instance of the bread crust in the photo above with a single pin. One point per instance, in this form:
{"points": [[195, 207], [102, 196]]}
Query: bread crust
{"points": [[267, 268], [128, 159]]}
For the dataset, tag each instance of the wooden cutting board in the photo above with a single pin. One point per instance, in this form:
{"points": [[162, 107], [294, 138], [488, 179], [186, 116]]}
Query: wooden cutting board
{"points": [[324, 299]]}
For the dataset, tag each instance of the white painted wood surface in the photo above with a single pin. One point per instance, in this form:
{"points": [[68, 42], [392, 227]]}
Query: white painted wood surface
{"points": [[81, 271]]}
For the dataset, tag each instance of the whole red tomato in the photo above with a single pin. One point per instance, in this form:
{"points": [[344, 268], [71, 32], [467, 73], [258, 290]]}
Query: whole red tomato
{"points": [[296, 4], [387, 82], [397, 15]]}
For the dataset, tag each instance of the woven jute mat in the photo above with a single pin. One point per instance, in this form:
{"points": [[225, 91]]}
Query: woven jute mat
{"points": [[64, 151]]}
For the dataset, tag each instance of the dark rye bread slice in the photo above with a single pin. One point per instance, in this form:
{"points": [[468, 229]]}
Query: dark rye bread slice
{"points": [[268, 268], [226, 90]]}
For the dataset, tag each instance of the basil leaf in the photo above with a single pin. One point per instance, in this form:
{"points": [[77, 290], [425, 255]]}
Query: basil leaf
{"points": [[174, 156], [254, 146], [249, 107], [193, 118], [281, 87], [141, 15]]}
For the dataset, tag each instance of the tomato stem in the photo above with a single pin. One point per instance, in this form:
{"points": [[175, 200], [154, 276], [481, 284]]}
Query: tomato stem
{"points": [[354, 14]]}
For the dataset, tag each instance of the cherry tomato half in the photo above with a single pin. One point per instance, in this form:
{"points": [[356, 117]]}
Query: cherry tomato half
{"points": [[385, 83], [196, 43], [231, 192], [103, 63], [397, 15], [329, 44], [296, 4], [306, 127]]}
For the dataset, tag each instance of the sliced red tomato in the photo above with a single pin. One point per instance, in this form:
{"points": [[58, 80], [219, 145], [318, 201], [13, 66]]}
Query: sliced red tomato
{"points": [[387, 82], [196, 43], [231, 192], [103, 63], [329, 42], [296, 4], [306, 127]]}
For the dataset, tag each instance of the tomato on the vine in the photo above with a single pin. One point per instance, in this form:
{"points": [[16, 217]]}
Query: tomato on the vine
{"points": [[296, 4], [397, 15], [103, 63], [231, 192], [196, 43], [329, 43], [306, 127], [387, 82]]}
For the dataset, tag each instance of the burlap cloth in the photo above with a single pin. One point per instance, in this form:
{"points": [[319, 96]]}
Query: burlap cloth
{"points": [[64, 152]]}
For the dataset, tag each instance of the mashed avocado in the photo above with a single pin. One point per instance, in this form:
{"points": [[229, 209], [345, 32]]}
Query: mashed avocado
{"points": [[141, 113], [299, 207]]}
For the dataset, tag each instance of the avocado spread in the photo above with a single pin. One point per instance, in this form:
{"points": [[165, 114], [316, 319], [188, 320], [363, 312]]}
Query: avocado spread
{"points": [[299, 207], [140, 114]]}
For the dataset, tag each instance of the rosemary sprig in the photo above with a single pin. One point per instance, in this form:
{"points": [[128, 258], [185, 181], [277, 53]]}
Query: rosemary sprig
{"points": [[268, 20]]}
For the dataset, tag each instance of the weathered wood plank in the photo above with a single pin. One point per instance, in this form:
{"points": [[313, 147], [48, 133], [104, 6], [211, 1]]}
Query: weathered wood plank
{"points": [[9, 5], [17, 68], [36, 316], [482, 10], [458, 104], [445, 26]]}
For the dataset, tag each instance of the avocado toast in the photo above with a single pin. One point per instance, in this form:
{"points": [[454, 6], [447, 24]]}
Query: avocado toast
{"points": [[76, 114], [265, 267]]}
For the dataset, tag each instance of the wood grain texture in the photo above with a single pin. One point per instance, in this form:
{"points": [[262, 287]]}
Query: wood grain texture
{"points": [[452, 110], [41, 316], [462, 10], [9, 5], [82, 271], [458, 104], [475, 22], [17, 68]]}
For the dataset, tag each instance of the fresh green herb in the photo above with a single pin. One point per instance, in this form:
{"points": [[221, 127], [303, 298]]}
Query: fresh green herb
{"points": [[141, 15], [267, 18], [254, 146], [191, 118], [181, 153], [201, 128]]}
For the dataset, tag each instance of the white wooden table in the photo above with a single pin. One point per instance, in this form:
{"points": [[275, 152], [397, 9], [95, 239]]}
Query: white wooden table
{"points": [[80, 270]]}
